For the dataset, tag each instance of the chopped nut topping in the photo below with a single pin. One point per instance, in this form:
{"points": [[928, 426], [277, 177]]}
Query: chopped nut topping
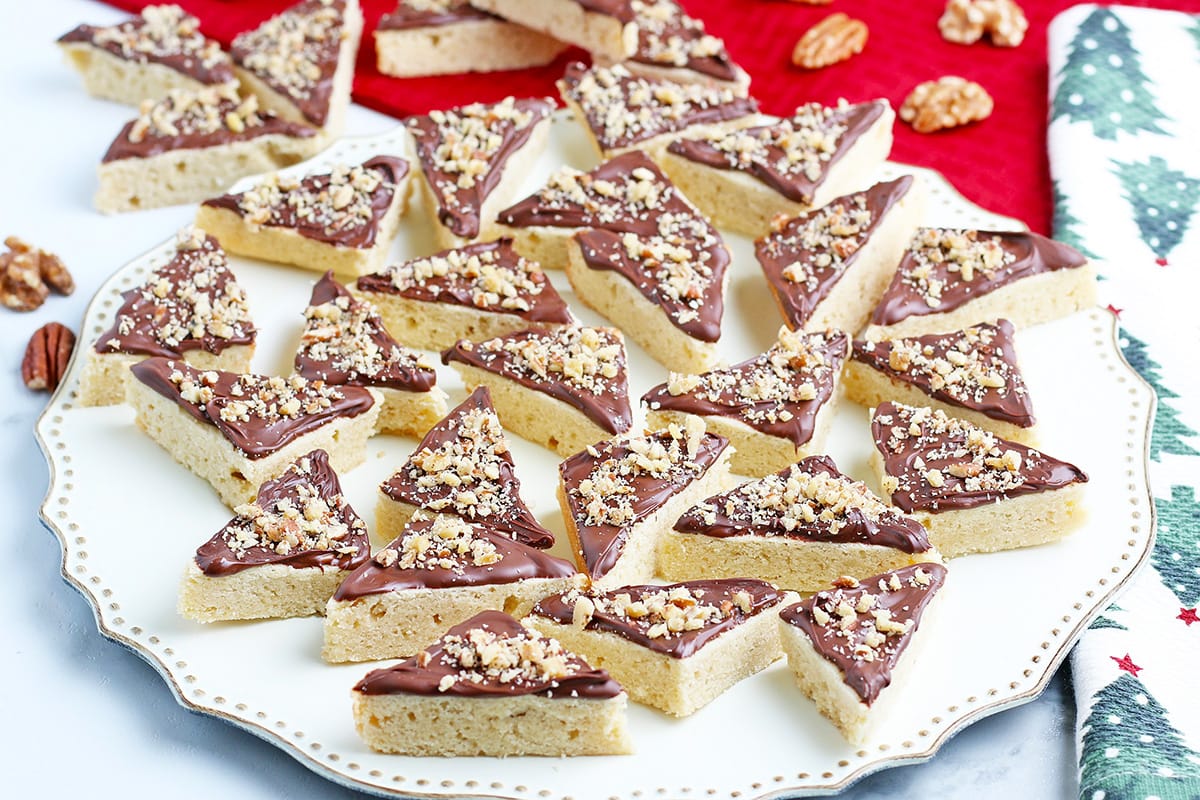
{"points": [[637, 195], [346, 334], [162, 32], [269, 399], [491, 280], [669, 37], [588, 359], [864, 625], [659, 613], [295, 50], [822, 242], [482, 656], [200, 113], [445, 542], [342, 200], [939, 256]]}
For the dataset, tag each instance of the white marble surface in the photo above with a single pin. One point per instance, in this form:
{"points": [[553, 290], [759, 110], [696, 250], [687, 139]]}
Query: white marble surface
{"points": [[108, 718]]}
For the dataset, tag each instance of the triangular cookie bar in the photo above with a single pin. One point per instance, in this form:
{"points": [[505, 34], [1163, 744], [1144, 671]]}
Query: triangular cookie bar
{"points": [[774, 409], [473, 158], [674, 647], [673, 46], [463, 466], [606, 29], [620, 497], [972, 374], [453, 697], [343, 220], [283, 554], [191, 307], [300, 62], [973, 491], [848, 644], [799, 528], [827, 268], [563, 388], [146, 57], [344, 342]]}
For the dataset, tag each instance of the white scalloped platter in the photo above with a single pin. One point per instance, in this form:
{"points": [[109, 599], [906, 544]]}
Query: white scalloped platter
{"points": [[129, 518]]}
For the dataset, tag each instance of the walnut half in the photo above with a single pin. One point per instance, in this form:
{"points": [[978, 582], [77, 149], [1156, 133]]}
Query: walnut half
{"points": [[948, 102]]}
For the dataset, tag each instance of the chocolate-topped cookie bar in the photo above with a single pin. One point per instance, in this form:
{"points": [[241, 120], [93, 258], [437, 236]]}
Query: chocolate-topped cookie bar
{"points": [[973, 491], [605, 28], [191, 307], [344, 343], [342, 220], [798, 528], [827, 268], [283, 554], [448, 37], [676, 648], [774, 409], [743, 179], [623, 111], [146, 57], [474, 292], [972, 374], [473, 158]]}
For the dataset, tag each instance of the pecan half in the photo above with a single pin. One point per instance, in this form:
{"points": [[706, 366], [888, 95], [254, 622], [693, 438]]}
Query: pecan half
{"points": [[47, 356], [948, 102], [833, 39]]}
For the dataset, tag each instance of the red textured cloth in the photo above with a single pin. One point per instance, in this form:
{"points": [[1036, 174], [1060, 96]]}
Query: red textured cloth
{"points": [[1000, 163]]}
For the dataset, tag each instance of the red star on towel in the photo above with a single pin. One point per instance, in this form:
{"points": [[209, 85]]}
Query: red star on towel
{"points": [[1126, 664], [1188, 615], [1116, 312], [1162, 262]]}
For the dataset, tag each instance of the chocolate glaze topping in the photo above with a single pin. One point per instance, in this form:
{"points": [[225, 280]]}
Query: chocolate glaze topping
{"points": [[341, 208], [806, 256], [325, 531], [621, 9], [163, 35], [446, 552], [792, 156], [196, 120], [542, 667], [938, 463], [193, 302], [410, 14], [583, 367], [810, 500], [344, 342], [463, 153], [622, 109], [296, 53], [944, 268], [669, 38], [489, 276], [705, 610], [614, 485], [975, 368], [256, 413], [882, 613], [778, 393], [463, 466]]}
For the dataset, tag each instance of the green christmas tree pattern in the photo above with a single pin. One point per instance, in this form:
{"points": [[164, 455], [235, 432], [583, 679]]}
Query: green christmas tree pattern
{"points": [[1105, 621], [1163, 201], [1102, 81], [1131, 752], [1168, 433], [1065, 222], [1176, 553]]}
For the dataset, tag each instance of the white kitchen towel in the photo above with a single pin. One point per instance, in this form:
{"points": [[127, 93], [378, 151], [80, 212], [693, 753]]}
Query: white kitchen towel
{"points": [[1124, 140]]}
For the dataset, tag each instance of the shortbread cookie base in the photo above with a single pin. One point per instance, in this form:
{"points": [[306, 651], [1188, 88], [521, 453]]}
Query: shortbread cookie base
{"points": [[677, 686], [400, 624], [529, 725], [104, 374], [269, 591], [202, 449], [410, 413], [190, 175], [437, 326], [825, 685], [516, 168], [646, 323], [797, 564], [638, 561], [287, 246], [756, 454], [1023, 521], [739, 202], [543, 244], [112, 78], [568, 21], [1029, 301], [869, 387], [390, 518], [534, 415], [484, 45]]}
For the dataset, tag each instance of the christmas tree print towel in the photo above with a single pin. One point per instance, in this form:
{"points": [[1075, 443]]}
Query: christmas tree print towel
{"points": [[1124, 141]]}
